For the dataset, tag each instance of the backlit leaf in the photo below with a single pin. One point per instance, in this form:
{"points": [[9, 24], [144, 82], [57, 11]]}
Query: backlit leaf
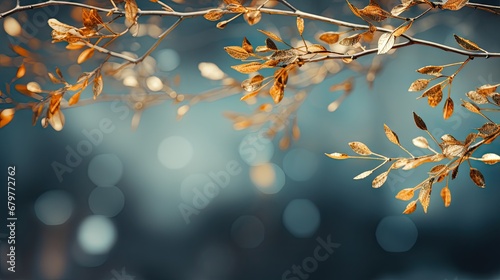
{"points": [[354, 10], [490, 158], [131, 10], [6, 116], [476, 97], [420, 142], [247, 68], [446, 196], [438, 168], [253, 17], [373, 12], [402, 29], [214, 15], [237, 52], [424, 196], [385, 43], [477, 177], [338, 155], [75, 98], [277, 92], [455, 4], [351, 40], [448, 108], [431, 70], [380, 180], [271, 35], [391, 135], [487, 89], [434, 95], [98, 85], [300, 25], [21, 71], [360, 148], [363, 175], [411, 207], [57, 120], [471, 107], [419, 85], [466, 44], [405, 194], [329, 37], [86, 54]]}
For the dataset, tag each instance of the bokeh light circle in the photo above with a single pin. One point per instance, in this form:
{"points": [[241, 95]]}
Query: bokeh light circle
{"points": [[96, 235], [54, 207], [301, 218], [248, 232], [396, 234], [167, 59], [267, 177], [175, 152], [105, 170]]}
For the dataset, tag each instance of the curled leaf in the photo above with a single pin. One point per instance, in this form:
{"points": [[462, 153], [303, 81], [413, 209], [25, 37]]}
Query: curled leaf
{"points": [[446, 196], [6, 116]]}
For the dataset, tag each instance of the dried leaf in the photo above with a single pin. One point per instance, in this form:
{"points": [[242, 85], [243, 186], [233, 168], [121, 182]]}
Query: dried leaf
{"points": [[315, 48], [466, 44], [399, 163], [455, 4], [411, 207], [455, 150], [391, 135], [420, 142], [271, 45], [419, 85], [247, 68], [75, 98], [434, 95], [363, 175], [271, 35], [448, 108], [277, 92], [424, 196], [85, 55], [222, 24], [477, 177], [385, 43], [6, 116], [354, 10], [351, 40], [360, 148], [399, 9], [57, 120], [446, 196], [431, 70], [21, 71], [131, 10], [374, 12], [237, 52], [338, 155], [54, 79], [490, 158], [438, 168], [253, 17], [91, 18], [59, 26], [487, 89], [380, 180], [471, 107], [236, 8], [488, 129], [252, 84], [330, 37], [300, 25], [246, 45], [476, 97], [214, 15], [405, 194], [98, 85], [402, 29]]}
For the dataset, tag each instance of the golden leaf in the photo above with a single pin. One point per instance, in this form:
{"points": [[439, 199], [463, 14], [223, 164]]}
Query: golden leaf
{"points": [[37, 111], [236, 8], [471, 107], [411, 207], [75, 98], [391, 135], [405, 194], [21, 71], [277, 92], [315, 48], [300, 25], [419, 85], [6, 116], [363, 175], [448, 108], [91, 18], [252, 17], [57, 120], [360, 148], [97, 87], [247, 68], [424, 196], [402, 29], [271, 35], [446, 196], [490, 158], [434, 95], [399, 9], [131, 10], [455, 4], [476, 97], [329, 37], [338, 155], [354, 10], [385, 43], [271, 45], [487, 89], [214, 15], [237, 52], [438, 168], [488, 129], [246, 45], [420, 142], [466, 44], [350, 40], [477, 177], [374, 12], [222, 24], [249, 95], [59, 26], [86, 54], [252, 84], [416, 162], [399, 163], [419, 122], [454, 150], [431, 70], [380, 180], [232, 2]]}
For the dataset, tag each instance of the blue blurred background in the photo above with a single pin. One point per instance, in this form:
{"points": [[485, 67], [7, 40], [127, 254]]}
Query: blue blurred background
{"points": [[193, 199]]}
